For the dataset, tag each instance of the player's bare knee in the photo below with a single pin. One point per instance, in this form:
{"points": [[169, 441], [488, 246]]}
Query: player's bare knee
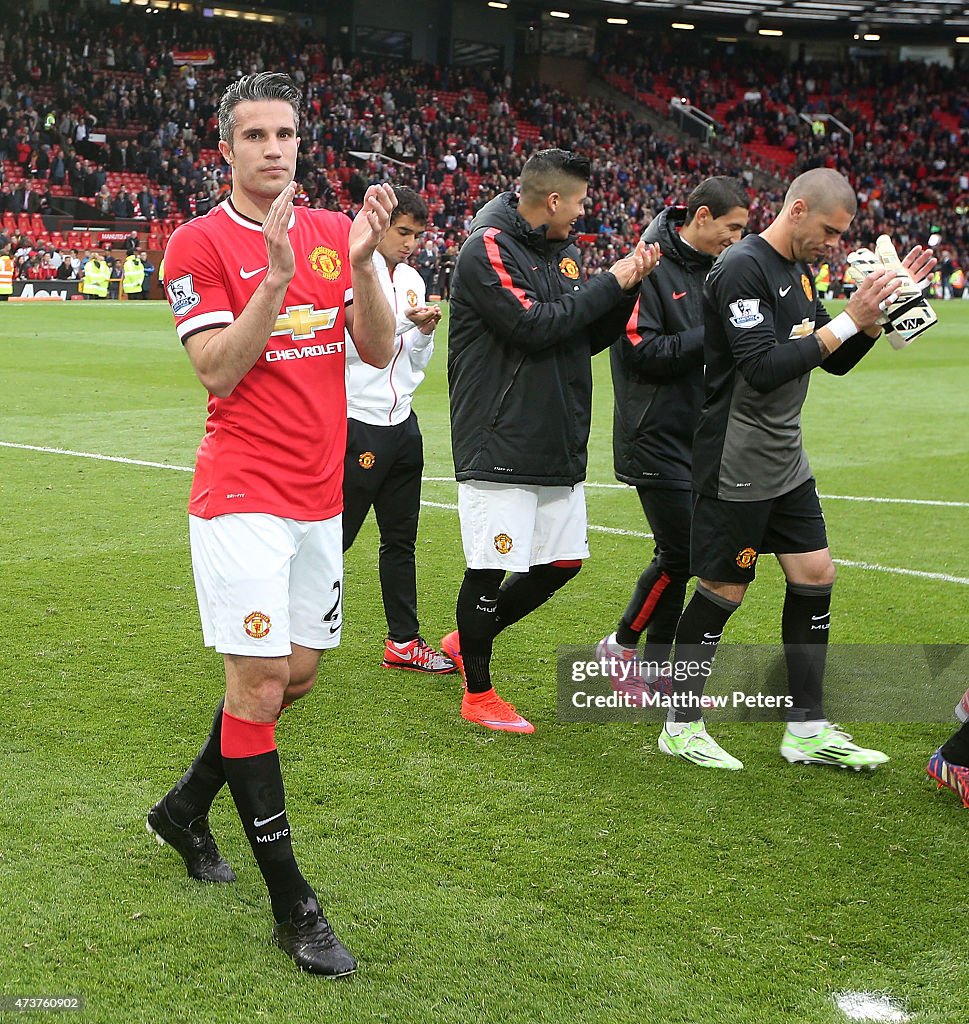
{"points": [[299, 688], [817, 574], [728, 591], [303, 665], [255, 696], [255, 700]]}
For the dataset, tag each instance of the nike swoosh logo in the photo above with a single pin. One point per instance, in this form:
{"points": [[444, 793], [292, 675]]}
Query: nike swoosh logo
{"points": [[259, 822], [246, 274], [678, 295], [488, 721], [783, 291], [818, 618], [403, 656], [713, 636]]}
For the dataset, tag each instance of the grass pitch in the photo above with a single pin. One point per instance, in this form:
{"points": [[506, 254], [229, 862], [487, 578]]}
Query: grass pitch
{"points": [[575, 875]]}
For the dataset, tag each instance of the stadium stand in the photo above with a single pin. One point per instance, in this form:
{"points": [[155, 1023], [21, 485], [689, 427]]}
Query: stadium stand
{"points": [[101, 131]]}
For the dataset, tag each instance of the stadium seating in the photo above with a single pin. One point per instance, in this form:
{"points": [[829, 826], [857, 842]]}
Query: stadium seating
{"points": [[161, 134]]}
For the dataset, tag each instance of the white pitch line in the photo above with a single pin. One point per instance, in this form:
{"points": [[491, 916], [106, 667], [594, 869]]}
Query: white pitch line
{"points": [[641, 535], [943, 577], [824, 497], [620, 533], [871, 1006], [896, 501], [450, 480], [94, 455]]}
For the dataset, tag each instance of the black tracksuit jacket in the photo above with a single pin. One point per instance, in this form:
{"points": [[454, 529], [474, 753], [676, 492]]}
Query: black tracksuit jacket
{"points": [[657, 366], [523, 328]]}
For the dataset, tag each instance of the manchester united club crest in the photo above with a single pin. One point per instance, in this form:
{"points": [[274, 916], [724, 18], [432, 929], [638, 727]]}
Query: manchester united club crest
{"points": [[366, 460], [326, 262], [503, 544], [746, 558], [258, 625], [806, 285], [569, 268], [411, 297]]}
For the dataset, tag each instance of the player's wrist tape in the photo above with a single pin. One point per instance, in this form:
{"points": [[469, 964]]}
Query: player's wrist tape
{"points": [[843, 327]]}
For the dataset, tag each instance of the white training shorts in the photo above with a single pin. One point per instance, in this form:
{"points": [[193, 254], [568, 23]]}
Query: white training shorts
{"points": [[264, 582], [513, 527]]}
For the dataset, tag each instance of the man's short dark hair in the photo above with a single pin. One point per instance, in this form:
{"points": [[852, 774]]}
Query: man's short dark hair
{"points": [[719, 195], [409, 202], [549, 170], [267, 85], [823, 190]]}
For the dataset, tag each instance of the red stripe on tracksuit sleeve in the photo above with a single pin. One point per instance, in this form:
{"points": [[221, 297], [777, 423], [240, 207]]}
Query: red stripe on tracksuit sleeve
{"points": [[652, 599], [498, 265], [632, 326]]}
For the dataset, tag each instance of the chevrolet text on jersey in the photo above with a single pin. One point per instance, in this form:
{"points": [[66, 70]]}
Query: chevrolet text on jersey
{"points": [[306, 352]]}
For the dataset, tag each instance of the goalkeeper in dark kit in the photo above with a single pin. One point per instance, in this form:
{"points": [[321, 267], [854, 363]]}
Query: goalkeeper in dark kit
{"points": [[765, 330]]}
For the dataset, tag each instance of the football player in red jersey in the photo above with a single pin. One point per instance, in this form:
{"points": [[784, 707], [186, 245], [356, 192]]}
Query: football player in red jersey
{"points": [[261, 292]]}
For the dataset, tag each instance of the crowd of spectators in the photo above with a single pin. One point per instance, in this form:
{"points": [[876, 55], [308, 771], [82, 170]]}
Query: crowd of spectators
{"points": [[458, 135], [904, 143], [41, 260]]}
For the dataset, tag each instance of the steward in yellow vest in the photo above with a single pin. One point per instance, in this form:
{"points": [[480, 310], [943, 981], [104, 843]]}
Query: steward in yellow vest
{"points": [[133, 277], [822, 283], [6, 275], [96, 278]]}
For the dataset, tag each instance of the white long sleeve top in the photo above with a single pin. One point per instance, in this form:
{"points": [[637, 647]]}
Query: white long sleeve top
{"points": [[383, 397]]}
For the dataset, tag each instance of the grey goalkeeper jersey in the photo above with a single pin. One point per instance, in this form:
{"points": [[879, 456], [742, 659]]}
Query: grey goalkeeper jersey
{"points": [[760, 314]]}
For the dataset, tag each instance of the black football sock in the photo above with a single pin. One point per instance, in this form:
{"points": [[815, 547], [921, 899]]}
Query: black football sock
{"points": [[805, 627], [256, 782], [656, 653], [193, 794], [477, 622], [697, 636], [661, 627], [956, 747], [523, 592]]}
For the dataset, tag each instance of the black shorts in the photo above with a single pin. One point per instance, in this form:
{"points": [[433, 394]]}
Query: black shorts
{"points": [[727, 536], [669, 513]]}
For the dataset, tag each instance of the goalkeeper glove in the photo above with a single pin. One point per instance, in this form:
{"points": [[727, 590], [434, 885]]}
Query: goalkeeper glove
{"points": [[915, 317], [909, 314]]}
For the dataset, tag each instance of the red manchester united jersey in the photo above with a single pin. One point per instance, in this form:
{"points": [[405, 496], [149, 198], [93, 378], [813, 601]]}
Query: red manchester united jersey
{"points": [[277, 443]]}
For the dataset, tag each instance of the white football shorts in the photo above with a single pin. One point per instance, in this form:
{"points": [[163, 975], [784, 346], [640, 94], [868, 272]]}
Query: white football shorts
{"points": [[264, 582], [513, 527]]}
